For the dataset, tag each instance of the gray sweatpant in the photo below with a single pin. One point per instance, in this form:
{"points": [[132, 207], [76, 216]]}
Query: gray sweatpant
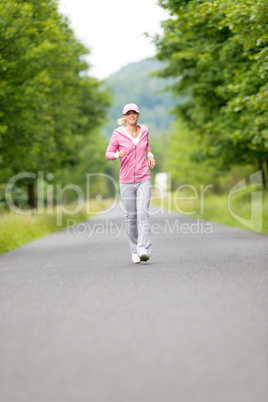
{"points": [[136, 201]]}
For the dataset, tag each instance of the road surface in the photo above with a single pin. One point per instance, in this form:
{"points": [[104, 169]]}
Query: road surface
{"points": [[80, 322]]}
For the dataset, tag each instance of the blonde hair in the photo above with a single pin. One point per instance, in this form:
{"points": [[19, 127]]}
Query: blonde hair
{"points": [[121, 122]]}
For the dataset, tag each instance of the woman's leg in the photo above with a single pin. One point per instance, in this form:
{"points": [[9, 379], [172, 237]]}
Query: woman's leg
{"points": [[144, 227], [128, 195]]}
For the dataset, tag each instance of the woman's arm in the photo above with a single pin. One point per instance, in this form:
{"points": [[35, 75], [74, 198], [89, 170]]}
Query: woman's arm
{"points": [[151, 160], [149, 154], [112, 148]]}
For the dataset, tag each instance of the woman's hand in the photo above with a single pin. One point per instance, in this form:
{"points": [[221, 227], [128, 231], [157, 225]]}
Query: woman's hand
{"points": [[151, 162], [122, 153]]}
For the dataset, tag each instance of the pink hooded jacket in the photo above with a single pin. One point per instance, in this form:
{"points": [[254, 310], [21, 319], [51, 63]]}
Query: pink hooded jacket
{"points": [[134, 166]]}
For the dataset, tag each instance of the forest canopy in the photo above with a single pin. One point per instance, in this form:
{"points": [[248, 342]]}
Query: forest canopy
{"points": [[48, 102]]}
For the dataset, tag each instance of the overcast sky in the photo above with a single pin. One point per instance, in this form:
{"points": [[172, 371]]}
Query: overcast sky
{"points": [[113, 30]]}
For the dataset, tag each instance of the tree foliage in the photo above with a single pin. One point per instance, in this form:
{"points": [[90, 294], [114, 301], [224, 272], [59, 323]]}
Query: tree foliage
{"points": [[48, 103], [220, 51]]}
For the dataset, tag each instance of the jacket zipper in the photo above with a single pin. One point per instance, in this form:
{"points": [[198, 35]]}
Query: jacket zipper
{"points": [[135, 165]]}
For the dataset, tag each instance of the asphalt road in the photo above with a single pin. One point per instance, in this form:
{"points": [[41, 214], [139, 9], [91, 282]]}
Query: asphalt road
{"points": [[80, 322]]}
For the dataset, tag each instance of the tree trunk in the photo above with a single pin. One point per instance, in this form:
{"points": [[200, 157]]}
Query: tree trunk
{"points": [[264, 170], [265, 176], [31, 196]]}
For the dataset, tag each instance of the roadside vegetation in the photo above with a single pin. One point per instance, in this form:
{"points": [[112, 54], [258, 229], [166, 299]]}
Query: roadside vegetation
{"points": [[17, 230], [214, 208]]}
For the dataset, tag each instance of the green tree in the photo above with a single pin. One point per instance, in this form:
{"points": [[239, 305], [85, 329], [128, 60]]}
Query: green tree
{"points": [[220, 51], [47, 101]]}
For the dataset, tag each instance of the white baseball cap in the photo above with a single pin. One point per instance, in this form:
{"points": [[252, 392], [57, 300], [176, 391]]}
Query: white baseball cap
{"points": [[130, 106]]}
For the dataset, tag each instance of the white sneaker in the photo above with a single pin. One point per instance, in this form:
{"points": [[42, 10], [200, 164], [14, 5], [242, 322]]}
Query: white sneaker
{"points": [[144, 257], [136, 258]]}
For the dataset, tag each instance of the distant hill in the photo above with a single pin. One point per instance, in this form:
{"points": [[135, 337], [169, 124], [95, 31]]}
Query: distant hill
{"points": [[132, 84]]}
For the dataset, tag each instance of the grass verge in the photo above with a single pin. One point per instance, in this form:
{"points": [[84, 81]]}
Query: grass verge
{"points": [[17, 230], [243, 210]]}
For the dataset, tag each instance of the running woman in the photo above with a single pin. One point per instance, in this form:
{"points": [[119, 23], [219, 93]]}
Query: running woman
{"points": [[130, 144]]}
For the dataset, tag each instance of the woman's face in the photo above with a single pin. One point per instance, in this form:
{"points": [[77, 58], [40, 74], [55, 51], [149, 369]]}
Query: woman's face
{"points": [[131, 117]]}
